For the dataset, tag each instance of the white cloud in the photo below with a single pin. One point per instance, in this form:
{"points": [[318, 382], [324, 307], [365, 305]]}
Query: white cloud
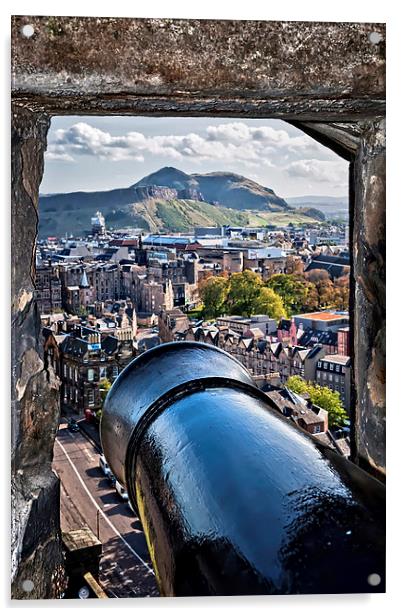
{"points": [[322, 171], [232, 142]]}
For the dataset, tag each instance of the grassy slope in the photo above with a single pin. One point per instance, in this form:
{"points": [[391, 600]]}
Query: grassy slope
{"points": [[279, 219], [159, 215], [184, 214]]}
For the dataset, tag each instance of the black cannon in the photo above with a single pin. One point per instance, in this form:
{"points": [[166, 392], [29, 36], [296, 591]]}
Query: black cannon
{"points": [[234, 498]]}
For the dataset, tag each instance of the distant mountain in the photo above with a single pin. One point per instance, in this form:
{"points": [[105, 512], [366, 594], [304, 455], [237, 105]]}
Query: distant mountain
{"points": [[319, 201], [167, 199], [334, 208]]}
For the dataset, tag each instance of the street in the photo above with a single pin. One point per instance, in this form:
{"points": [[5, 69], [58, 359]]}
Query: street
{"points": [[88, 498]]}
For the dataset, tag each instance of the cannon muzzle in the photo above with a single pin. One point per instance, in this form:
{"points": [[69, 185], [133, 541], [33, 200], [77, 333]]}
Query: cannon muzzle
{"points": [[233, 497]]}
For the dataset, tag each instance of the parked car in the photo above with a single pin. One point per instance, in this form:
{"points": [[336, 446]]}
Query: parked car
{"points": [[72, 425], [121, 491], [104, 466]]}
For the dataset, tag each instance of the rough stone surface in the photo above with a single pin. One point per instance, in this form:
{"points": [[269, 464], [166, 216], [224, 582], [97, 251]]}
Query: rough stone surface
{"points": [[155, 65], [36, 547], [369, 312], [329, 79]]}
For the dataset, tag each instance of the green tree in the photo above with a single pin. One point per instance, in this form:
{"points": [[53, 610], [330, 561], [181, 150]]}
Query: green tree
{"points": [[293, 289], [297, 384], [213, 293], [244, 292], [104, 386], [270, 303], [323, 397]]}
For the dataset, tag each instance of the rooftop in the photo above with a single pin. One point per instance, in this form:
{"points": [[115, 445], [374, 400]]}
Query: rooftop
{"points": [[336, 359], [321, 316]]}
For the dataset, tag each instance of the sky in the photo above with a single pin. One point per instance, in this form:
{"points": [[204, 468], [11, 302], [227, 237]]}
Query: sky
{"points": [[100, 153]]}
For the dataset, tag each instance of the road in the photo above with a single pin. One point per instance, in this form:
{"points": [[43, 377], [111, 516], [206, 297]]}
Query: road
{"points": [[87, 498]]}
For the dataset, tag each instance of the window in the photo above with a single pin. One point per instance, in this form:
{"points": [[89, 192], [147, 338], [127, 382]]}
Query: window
{"points": [[91, 374], [65, 370], [115, 372], [316, 429], [91, 397], [325, 365], [330, 377], [102, 373], [331, 366]]}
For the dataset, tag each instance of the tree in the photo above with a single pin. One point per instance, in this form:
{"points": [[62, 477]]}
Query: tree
{"points": [[297, 384], [323, 397], [342, 292], [104, 386], [270, 303], [244, 292], [293, 289], [213, 293]]}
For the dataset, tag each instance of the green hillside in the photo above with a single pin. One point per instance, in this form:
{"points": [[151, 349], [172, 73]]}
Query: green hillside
{"points": [[156, 215]]}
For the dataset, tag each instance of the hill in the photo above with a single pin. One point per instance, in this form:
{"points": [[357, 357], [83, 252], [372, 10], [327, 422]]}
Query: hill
{"points": [[326, 204], [181, 200]]}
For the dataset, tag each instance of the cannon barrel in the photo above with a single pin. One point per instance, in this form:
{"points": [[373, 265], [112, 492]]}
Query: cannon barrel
{"points": [[233, 497]]}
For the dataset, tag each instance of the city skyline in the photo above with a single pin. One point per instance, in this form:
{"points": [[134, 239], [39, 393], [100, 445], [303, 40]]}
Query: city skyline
{"points": [[100, 153]]}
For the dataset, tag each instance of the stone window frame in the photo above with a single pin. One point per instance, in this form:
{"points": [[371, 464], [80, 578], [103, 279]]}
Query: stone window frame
{"points": [[328, 79]]}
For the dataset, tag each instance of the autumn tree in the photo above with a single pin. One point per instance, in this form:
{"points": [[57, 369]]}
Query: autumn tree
{"points": [[323, 397], [324, 286], [213, 293], [342, 292]]}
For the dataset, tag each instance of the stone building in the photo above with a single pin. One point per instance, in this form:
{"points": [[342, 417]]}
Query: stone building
{"points": [[260, 356], [105, 280], [86, 358], [48, 289], [171, 323], [333, 371]]}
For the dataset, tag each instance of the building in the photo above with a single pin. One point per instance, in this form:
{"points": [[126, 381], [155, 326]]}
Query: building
{"points": [[343, 341], [336, 266], [86, 358], [171, 323], [333, 371], [241, 325], [155, 296], [98, 225], [312, 418], [323, 320], [48, 289]]}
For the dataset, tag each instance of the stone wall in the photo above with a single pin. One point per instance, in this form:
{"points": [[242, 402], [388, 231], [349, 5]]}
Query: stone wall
{"points": [[36, 547]]}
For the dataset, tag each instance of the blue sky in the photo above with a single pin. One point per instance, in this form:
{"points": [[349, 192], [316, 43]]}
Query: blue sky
{"points": [[99, 153]]}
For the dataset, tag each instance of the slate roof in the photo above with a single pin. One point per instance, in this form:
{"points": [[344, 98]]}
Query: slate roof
{"points": [[316, 336]]}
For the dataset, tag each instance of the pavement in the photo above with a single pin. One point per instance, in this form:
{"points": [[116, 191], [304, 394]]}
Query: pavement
{"points": [[87, 498]]}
